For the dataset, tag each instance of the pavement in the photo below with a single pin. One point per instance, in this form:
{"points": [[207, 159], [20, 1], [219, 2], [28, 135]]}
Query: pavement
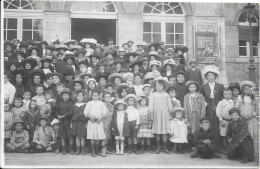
{"points": [[128, 160]]}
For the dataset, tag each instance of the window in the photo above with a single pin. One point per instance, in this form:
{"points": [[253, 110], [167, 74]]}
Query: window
{"points": [[10, 28], [23, 4], [93, 6], [163, 8], [33, 29], [244, 48], [152, 32]]}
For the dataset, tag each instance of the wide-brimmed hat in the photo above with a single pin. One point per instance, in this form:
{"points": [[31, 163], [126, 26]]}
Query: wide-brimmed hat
{"points": [[181, 48], [81, 51], [92, 79], [170, 62], [44, 42], [234, 85], [156, 63], [155, 54], [33, 62], [75, 47], [247, 83], [127, 55], [171, 87], [13, 46], [137, 62], [141, 96], [44, 118], [210, 69], [102, 75], [131, 96], [205, 120], [94, 55], [55, 121], [128, 74], [90, 41], [64, 47], [121, 86], [112, 77], [110, 52], [192, 82], [37, 72], [14, 62], [156, 45], [146, 85], [18, 120], [72, 41], [234, 110], [120, 101], [123, 71], [164, 80], [57, 74], [46, 60], [67, 70], [66, 90], [193, 61], [108, 85], [142, 44], [169, 49], [118, 61], [23, 44], [178, 109], [121, 49], [130, 41], [148, 76], [34, 48], [69, 56], [90, 75]]}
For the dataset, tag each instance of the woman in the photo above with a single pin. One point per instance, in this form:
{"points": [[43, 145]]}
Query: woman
{"points": [[213, 93], [37, 77], [20, 82]]}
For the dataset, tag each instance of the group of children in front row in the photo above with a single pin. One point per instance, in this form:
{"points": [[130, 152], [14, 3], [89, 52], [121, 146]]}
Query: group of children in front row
{"points": [[137, 118]]}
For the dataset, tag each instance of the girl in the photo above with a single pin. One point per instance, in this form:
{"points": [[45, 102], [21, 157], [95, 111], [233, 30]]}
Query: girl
{"points": [[181, 89], [194, 106], [168, 67], [122, 91], [46, 66], [178, 130], [248, 105], [144, 132], [116, 79], [91, 86], [107, 120], [37, 78], [64, 113], [96, 111], [20, 82], [120, 125], [78, 122], [133, 120], [30, 118], [48, 82], [86, 76], [160, 107], [138, 83], [235, 88], [28, 65], [9, 89], [172, 93]]}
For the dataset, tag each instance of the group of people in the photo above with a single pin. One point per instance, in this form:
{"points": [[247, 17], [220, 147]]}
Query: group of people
{"points": [[81, 97]]}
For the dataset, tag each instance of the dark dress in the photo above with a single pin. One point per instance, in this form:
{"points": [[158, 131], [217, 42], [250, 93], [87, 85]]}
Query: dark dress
{"points": [[64, 108], [181, 91], [20, 89], [205, 150], [194, 76], [242, 144], [78, 121], [211, 107], [125, 127]]}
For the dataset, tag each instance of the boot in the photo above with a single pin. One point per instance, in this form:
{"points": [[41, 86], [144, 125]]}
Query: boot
{"points": [[103, 151], [122, 150], [175, 149], [165, 148], [158, 150], [130, 149], [194, 155], [108, 152], [97, 150], [189, 147], [64, 150], [135, 149], [142, 149], [93, 153], [83, 150], [78, 150], [149, 149], [180, 149], [117, 149], [71, 150]]}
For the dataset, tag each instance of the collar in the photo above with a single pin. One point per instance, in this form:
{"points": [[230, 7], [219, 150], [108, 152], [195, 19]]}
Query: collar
{"points": [[19, 132], [79, 104], [229, 101], [212, 83], [174, 99], [193, 69], [25, 101]]}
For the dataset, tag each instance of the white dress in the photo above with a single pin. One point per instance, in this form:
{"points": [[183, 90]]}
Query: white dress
{"points": [[120, 124], [97, 110], [179, 129]]}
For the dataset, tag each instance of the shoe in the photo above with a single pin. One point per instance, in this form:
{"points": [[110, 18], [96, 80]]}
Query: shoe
{"points": [[142, 149], [64, 150], [195, 155], [135, 149], [71, 150], [175, 149], [180, 149], [165, 148], [93, 153], [122, 150], [158, 150], [77, 151], [244, 160], [97, 150], [216, 156], [130, 149], [83, 150]]}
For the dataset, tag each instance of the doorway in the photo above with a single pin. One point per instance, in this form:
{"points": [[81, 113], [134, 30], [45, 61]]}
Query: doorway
{"points": [[99, 29]]}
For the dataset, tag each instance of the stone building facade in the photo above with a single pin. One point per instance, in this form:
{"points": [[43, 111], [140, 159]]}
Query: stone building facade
{"points": [[212, 31]]}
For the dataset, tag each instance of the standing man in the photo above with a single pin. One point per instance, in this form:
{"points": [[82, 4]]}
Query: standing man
{"points": [[110, 46], [130, 46]]}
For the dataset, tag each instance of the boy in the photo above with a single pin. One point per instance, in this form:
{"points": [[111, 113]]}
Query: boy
{"points": [[235, 88], [39, 90], [44, 137], [193, 73], [9, 119], [147, 89], [56, 78], [240, 142], [17, 110], [172, 93], [55, 124], [222, 113], [20, 138], [26, 100], [60, 64], [59, 87], [204, 142], [172, 79]]}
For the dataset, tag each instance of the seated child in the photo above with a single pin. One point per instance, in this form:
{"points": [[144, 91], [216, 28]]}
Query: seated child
{"points": [[9, 119], [240, 141], [44, 137], [20, 138], [55, 124], [204, 142]]}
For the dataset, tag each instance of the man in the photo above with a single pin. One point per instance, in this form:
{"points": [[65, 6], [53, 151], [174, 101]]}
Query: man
{"points": [[194, 74], [130, 45], [145, 68], [125, 46], [110, 46], [140, 49]]}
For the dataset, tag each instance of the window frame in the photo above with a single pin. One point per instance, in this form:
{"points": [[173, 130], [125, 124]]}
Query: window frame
{"points": [[248, 50], [6, 29]]}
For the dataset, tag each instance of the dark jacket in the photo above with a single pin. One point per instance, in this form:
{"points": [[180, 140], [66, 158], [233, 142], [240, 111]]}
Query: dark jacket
{"points": [[202, 135], [125, 127], [181, 91], [144, 71], [194, 76], [218, 92]]}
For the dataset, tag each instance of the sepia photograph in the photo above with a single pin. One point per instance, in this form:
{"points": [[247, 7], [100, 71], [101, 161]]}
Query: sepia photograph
{"points": [[129, 84]]}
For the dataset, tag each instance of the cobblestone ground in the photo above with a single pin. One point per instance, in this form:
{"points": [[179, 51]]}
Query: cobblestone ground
{"points": [[144, 160]]}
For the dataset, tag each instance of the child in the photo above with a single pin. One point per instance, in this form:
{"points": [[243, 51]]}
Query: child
{"points": [[55, 124], [138, 83], [20, 138], [159, 107], [17, 110], [194, 74], [179, 130], [172, 79], [9, 119], [26, 100], [235, 88], [44, 136], [39, 90], [133, 120], [248, 105], [64, 113], [204, 141], [60, 88], [123, 90], [30, 118], [48, 95], [195, 107], [147, 90], [144, 132], [172, 93], [181, 89], [241, 142], [91, 86], [222, 113], [96, 110], [9, 89], [107, 120], [78, 122], [120, 125]]}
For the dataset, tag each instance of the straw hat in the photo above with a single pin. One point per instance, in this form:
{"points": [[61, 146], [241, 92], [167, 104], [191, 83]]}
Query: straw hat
{"points": [[131, 96], [155, 62], [112, 77], [55, 121], [247, 83], [192, 82], [210, 68], [170, 62], [164, 80], [92, 79], [120, 101]]}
